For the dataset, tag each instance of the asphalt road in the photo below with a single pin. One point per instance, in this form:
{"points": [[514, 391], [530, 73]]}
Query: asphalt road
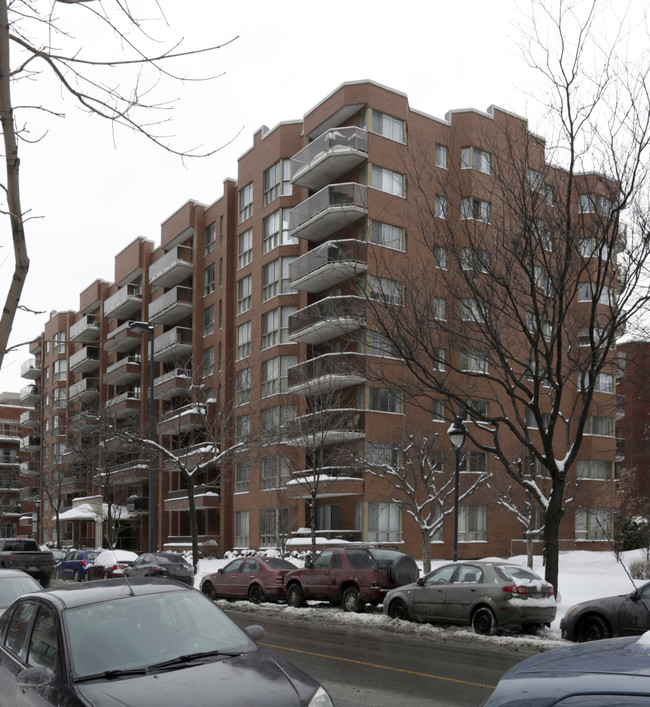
{"points": [[376, 669]]}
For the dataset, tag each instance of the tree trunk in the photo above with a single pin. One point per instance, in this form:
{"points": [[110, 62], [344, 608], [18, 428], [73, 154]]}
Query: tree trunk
{"points": [[426, 551], [194, 530], [529, 548], [312, 522], [552, 519]]}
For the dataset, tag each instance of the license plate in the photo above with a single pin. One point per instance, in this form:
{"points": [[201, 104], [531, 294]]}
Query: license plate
{"points": [[32, 569]]}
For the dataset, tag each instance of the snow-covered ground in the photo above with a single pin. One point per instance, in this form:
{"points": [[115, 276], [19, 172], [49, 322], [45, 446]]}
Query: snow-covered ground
{"points": [[583, 575]]}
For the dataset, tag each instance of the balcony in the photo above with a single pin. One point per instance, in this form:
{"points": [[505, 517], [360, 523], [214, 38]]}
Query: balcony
{"points": [[8, 457], [30, 444], [29, 419], [173, 384], [329, 210], [333, 482], [327, 319], [30, 369], [83, 391], [9, 483], [131, 472], [30, 394], [191, 456], [75, 483], [205, 497], [329, 157], [122, 339], [29, 470], [173, 345], [329, 264], [125, 303], [620, 406], [330, 427], [28, 493], [125, 404], [124, 371], [620, 449], [174, 267], [86, 329], [174, 305], [180, 420], [36, 347], [326, 373], [84, 360]]}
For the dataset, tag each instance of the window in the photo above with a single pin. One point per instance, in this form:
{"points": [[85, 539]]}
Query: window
{"points": [[533, 326], [243, 340], [595, 204], [243, 429], [440, 257], [441, 156], [474, 461], [471, 311], [16, 635], [275, 278], [208, 320], [241, 529], [385, 400], [597, 425], [472, 523], [473, 158], [246, 202], [244, 294], [220, 272], [386, 125], [275, 472], [59, 397], [436, 524], [584, 336], [594, 469], [277, 181], [603, 383], [531, 421], [380, 345], [593, 248], [275, 374], [275, 231], [439, 308], [327, 518], [474, 361], [381, 454], [58, 346], [208, 280], [440, 205], [243, 386], [272, 419], [440, 357], [438, 411], [387, 180], [384, 522], [43, 645], [587, 292], [593, 524], [385, 290], [536, 181], [477, 209], [210, 238], [59, 370], [242, 478], [275, 326], [476, 410], [208, 362], [472, 259], [387, 235], [245, 248], [274, 526]]}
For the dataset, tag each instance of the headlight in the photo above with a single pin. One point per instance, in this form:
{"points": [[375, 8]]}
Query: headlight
{"points": [[320, 699], [572, 610]]}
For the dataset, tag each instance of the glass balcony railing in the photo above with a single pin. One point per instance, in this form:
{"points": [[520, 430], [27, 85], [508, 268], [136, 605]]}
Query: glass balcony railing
{"points": [[327, 319], [30, 369], [329, 372], [174, 267], [126, 302], [329, 210], [174, 305], [83, 390], [86, 329], [328, 264]]}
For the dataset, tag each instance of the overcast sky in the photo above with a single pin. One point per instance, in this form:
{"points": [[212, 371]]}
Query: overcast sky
{"points": [[93, 191]]}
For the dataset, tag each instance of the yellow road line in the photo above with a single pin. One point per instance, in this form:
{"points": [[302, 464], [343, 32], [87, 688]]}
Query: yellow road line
{"points": [[381, 667]]}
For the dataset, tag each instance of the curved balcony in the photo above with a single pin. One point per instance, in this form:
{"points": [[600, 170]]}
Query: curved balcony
{"points": [[329, 372], [124, 371], [30, 369], [327, 319], [328, 265], [122, 339], [329, 156], [173, 345], [30, 444], [86, 329], [131, 472], [30, 394], [125, 303], [125, 404], [183, 419], [328, 211], [29, 419], [173, 384], [174, 305], [83, 391], [333, 482], [174, 267], [205, 497], [325, 427], [84, 360]]}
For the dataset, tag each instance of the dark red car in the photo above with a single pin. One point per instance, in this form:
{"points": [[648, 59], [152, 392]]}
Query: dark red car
{"points": [[254, 578]]}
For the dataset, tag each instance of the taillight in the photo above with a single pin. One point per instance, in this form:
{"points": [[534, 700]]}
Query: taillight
{"points": [[514, 589], [551, 591], [83, 563], [374, 576], [10, 559], [278, 579], [115, 567]]}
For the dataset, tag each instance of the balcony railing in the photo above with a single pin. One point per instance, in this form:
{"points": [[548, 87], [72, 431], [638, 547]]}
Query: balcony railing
{"points": [[84, 390], [183, 419], [30, 369], [330, 427], [329, 156], [84, 360], [329, 372], [130, 472], [122, 339], [174, 267], [124, 404], [30, 394], [174, 344], [205, 496], [124, 371], [126, 302], [30, 443], [327, 319], [329, 264], [174, 305], [173, 384], [29, 470], [86, 329], [329, 210], [29, 419]]}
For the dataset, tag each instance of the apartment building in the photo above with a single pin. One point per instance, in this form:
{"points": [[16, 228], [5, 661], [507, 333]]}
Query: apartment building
{"points": [[15, 436], [262, 336]]}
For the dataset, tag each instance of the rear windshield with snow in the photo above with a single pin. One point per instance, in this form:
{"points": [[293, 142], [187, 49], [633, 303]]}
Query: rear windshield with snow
{"points": [[510, 573]]}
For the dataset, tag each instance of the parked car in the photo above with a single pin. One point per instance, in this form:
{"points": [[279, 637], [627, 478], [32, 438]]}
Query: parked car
{"points": [[485, 595], [25, 554], [254, 578], [139, 643], [109, 564], [351, 576], [73, 565], [613, 673], [58, 555], [170, 565], [13, 584], [623, 615]]}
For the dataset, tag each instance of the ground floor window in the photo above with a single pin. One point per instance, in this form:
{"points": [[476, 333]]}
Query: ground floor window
{"points": [[241, 529], [379, 522], [593, 524], [472, 523], [274, 527], [327, 518]]}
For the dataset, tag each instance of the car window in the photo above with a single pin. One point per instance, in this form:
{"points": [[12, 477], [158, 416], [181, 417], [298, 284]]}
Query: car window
{"points": [[359, 559], [234, 565], [385, 558], [323, 560], [18, 625], [13, 587], [442, 575], [469, 574], [336, 562], [43, 644], [250, 566], [275, 563], [645, 592], [513, 572], [68, 557], [90, 556]]}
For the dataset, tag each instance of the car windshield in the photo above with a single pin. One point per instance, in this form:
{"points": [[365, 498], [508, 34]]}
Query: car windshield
{"points": [[512, 573], [136, 632], [385, 558], [13, 587], [170, 559], [275, 563]]}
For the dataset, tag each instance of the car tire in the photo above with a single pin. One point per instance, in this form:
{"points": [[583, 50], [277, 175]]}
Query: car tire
{"points": [[295, 597], [352, 600], [484, 621], [44, 580], [398, 610], [76, 576], [86, 576], [403, 570], [255, 594], [57, 575], [104, 575], [208, 589], [530, 629], [593, 628]]}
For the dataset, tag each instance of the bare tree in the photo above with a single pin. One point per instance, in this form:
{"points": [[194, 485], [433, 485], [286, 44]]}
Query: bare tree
{"points": [[122, 89]]}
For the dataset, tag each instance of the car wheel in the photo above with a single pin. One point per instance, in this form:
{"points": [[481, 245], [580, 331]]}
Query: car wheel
{"points": [[86, 576], [57, 574], [530, 629], [208, 590], [76, 576], [44, 579], [593, 628], [104, 575], [403, 570], [255, 594], [351, 600], [398, 610], [485, 622], [295, 597]]}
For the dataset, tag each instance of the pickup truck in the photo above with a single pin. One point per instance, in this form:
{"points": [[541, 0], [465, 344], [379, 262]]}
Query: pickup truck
{"points": [[25, 554]]}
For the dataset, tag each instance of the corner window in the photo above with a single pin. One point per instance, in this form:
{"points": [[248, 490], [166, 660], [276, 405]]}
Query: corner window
{"points": [[473, 158], [245, 248], [441, 156], [210, 238], [246, 202], [387, 181], [277, 181]]}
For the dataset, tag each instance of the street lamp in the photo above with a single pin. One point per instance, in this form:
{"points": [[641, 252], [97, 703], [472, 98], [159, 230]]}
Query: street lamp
{"points": [[456, 434], [36, 520], [143, 328]]}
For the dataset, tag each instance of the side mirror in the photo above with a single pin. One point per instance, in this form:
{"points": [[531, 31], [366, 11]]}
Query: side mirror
{"points": [[309, 564], [256, 632], [636, 595], [34, 677], [220, 570], [420, 581]]}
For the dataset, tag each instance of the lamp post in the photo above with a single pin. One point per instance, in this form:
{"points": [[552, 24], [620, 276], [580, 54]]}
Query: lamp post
{"points": [[456, 434], [36, 520], [143, 328]]}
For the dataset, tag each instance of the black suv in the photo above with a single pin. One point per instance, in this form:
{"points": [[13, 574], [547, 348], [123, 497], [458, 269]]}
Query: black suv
{"points": [[351, 576]]}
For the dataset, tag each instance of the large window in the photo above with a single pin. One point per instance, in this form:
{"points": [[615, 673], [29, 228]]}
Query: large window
{"points": [[472, 523], [59, 370], [387, 235], [208, 361], [474, 461], [242, 477], [595, 204], [385, 290], [243, 386], [603, 383], [587, 292], [210, 238], [440, 308], [242, 538], [244, 294], [327, 518], [274, 418], [378, 344], [387, 180], [274, 526], [243, 340], [275, 326], [441, 156], [474, 361], [386, 125], [277, 181], [385, 400], [440, 206], [593, 524], [440, 257], [275, 472], [275, 231], [208, 320], [243, 429], [208, 280], [245, 248], [473, 259], [473, 158], [471, 311], [275, 278], [275, 374], [477, 209], [594, 469], [384, 522], [246, 202], [601, 426]]}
